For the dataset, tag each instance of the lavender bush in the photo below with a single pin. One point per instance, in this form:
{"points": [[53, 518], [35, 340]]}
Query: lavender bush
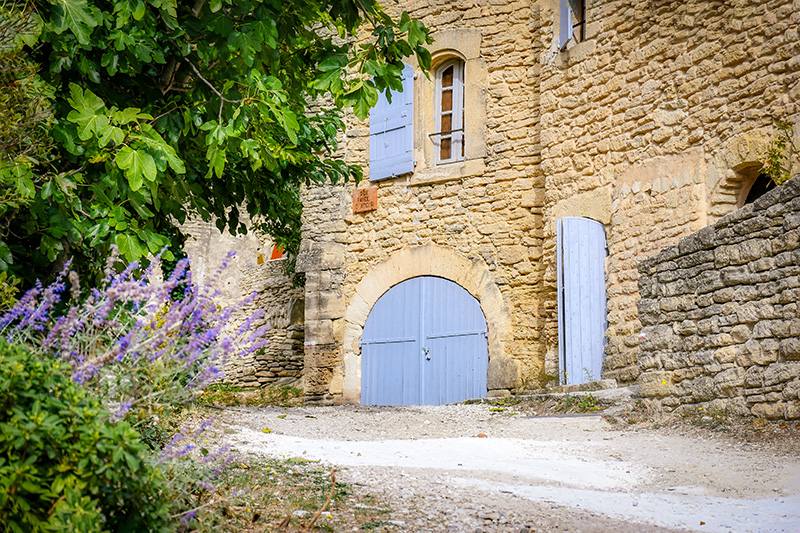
{"points": [[130, 340], [143, 346]]}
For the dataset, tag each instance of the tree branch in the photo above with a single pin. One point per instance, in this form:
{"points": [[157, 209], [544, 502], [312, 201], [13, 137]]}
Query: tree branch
{"points": [[223, 100], [372, 20]]}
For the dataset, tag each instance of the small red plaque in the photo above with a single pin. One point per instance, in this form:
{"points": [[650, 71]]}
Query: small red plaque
{"points": [[365, 200]]}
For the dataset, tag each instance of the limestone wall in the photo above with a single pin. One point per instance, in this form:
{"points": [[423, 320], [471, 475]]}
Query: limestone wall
{"points": [[250, 271], [485, 210], [654, 126], [660, 119], [720, 313]]}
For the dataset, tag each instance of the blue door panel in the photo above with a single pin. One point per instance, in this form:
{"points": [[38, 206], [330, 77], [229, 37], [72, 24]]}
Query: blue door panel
{"points": [[581, 298], [424, 343]]}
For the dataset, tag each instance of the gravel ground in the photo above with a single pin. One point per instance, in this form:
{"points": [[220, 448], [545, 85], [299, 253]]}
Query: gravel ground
{"points": [[479, 467]]}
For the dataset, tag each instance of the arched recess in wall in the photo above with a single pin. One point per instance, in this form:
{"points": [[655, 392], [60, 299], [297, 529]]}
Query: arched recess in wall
{"points": [[734, 171], [444, 262]]}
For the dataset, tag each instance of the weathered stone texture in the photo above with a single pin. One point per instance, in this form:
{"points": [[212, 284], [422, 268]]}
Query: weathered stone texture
{"points": [[488, 212], [745, 357], [667, 103]]}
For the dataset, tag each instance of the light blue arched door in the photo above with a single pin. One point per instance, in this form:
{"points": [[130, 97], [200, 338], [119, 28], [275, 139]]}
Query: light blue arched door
{"points": [[424, 343], [581, 244]]}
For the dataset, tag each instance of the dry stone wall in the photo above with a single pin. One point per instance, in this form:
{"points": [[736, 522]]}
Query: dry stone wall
{"points": [[250, 272], [720, 313]]}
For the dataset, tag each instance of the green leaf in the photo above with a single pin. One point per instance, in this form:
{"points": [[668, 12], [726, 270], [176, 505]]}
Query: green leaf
{"points": [[130, 246], [25, 186], [138, 11], [217, 157], [138, 165], [88, 113], [417, 33], [75, 16], [424, 59], [363, 99]]}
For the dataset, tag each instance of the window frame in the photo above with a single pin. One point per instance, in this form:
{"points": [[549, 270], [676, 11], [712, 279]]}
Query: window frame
{"points": [[457, 127], [570, 14]]}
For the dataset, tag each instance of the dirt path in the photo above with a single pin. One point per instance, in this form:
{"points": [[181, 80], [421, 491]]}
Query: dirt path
{"points": [[543, 473]]}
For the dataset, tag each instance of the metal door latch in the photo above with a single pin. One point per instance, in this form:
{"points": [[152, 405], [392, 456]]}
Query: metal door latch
{"points": [[427, 353]]}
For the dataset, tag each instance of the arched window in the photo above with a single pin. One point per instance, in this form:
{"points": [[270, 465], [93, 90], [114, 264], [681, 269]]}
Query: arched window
{"points": [[449, 106]]}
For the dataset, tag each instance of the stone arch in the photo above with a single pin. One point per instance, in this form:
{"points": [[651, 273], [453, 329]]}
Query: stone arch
{"points": [[733, 171], [431, 260]]}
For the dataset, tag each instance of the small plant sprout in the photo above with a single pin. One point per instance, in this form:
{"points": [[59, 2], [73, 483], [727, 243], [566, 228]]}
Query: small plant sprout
{"points": [[778, 161]]}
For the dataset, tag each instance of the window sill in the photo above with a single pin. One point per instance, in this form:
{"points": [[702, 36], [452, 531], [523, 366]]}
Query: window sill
{"points": [[577, 52], [448, 172]]}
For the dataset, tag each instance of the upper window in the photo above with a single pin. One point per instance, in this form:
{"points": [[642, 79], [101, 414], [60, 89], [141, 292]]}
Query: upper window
{"points": [[449, 112], [572, 22]]}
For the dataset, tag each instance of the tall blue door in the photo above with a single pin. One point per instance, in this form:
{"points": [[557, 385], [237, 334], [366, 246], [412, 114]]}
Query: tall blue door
{"points": [[581, 244], [424, 343]]}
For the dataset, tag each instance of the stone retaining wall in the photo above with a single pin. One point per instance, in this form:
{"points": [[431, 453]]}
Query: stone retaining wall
{"points": [[250, 271], [281, 361], [720, 314]]}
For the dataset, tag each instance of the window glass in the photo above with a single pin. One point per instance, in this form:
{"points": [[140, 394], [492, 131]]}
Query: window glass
{"points": [[449, 139]]}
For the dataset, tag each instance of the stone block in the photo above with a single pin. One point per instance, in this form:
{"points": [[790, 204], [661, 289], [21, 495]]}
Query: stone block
{"points": [[655, 384], [709, 281], [792, 411], [748, 353], [504, 373], [726, 354], [754, 376], [730, 383], [701, 389], [723, 295], [792, 390], [789, 349], [686, 327], [770, 411], [740, 333], [736, 275], [781, 373], [656, 338]]}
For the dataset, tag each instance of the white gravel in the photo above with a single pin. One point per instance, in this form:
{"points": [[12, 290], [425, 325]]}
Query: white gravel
{"points": [[574, 473]]}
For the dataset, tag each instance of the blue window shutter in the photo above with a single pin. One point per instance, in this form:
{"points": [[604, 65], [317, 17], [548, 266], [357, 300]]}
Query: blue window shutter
{"points": [[391, 132], [565, 19]]}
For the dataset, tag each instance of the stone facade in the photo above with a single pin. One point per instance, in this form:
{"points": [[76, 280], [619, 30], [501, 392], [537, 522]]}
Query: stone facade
{"points": [[666, 108], [654, 126], [251, 272], [720, 313]]}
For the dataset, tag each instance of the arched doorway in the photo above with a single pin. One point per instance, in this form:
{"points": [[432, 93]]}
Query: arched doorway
{"points": [[757, 188], [424, 343]]}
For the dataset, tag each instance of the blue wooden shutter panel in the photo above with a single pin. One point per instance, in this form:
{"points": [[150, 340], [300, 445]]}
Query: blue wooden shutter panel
{"points": [[391, 132], [565, 26]]}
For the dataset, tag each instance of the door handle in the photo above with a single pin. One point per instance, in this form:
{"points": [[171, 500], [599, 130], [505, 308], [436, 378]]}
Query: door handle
{"points": [[427, 353]]}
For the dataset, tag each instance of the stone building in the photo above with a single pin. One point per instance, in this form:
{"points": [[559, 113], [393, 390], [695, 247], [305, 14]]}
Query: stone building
{"points": [[552, 142]]}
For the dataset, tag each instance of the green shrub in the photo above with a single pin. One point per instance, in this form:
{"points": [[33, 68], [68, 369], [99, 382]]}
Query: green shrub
{"points": [[63, 465]]}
